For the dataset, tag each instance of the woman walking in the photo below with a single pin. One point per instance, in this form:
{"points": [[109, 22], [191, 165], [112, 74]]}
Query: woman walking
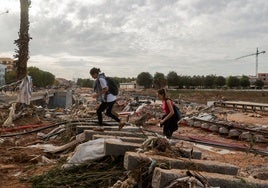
{"points": [[169, 121]]}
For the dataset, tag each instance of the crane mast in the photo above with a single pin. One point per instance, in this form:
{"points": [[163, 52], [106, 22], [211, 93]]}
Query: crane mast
{"points": [[256, 54]]}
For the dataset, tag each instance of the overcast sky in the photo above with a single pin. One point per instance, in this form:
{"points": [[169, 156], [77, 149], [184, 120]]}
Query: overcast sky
{"points": [[126, 37]]}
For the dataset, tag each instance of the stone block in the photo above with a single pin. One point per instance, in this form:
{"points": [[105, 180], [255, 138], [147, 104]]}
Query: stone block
{"points": [[132, 160], [124, 139], [117, 149], [89, 134], [81, 128], [163, 178]]}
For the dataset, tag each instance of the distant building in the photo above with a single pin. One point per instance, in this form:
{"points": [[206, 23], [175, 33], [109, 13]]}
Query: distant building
{"points": [[2, 74], [62, 82], [252, 80], [263, 77], [8, 62], [129, 85]]}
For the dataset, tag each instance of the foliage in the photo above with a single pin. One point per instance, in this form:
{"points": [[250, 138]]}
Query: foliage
{"points": [[41, 78], [259, 84], [145, 79], [220, 81], [186, 80], [84, 82], [198, 81], [181, 81], [244, 81], [209, 81], [233, 82], [159, 80], [172, 79], [11, 76]]}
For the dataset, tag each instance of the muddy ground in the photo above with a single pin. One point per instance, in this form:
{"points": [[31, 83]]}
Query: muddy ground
{"points": [[18, 163]]}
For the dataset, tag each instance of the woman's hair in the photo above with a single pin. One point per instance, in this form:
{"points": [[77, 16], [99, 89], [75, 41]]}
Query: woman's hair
{"points": [[94, 70], [162, 92]]}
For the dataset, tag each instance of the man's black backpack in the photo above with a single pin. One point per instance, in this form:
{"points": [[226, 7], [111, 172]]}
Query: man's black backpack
{"points": [[113, 88]]}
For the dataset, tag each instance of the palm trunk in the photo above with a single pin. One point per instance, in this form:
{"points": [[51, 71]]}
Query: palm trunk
{"points": [[23, 42]]}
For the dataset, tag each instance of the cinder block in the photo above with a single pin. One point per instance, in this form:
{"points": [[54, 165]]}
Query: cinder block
{"points": [[131, 160], [163, 178], [117, 149]]}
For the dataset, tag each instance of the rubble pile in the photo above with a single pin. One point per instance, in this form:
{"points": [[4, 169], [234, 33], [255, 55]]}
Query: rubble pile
{"points": [[202, 152]]}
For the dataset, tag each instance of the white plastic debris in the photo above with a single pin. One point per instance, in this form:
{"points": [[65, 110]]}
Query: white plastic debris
{"points": [[11, 116], [91, 150]]}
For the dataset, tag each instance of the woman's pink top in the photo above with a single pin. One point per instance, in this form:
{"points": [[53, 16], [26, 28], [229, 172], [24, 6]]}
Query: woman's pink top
{"points": [[165, 106]]}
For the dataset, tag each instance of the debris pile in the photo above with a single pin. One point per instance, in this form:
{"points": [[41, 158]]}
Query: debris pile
{"points": [[66, 151]]}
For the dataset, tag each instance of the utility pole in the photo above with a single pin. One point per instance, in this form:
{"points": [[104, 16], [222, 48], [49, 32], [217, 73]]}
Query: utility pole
{"points": [[256, 54]]}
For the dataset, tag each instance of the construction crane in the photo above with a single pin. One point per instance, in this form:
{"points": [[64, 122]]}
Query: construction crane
{"points": [[256, 54]]}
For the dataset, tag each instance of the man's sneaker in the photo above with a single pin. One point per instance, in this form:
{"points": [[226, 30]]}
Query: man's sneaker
{"points": [[99, 129]]}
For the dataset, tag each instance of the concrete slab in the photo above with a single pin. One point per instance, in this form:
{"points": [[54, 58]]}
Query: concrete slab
{"points": [[117, 149], [189, 153], [124, 139], [163, 178], [89, 134], [132, 160], [188, 149], [82, 128], [138, 142]]}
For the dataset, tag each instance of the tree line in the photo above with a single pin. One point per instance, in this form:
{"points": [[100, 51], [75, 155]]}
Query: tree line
{"points": [[173, 80], [158, 80]]}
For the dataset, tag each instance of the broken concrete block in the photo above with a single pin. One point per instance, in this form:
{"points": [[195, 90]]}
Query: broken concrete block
{"points": [[89, 134], [223, 130], [124, 139], [81, 128], [190, 122], [234, 133], [196, 154], [197, 124], [117, 149], [246, 136], [204, 126], [163, 178], [132, 160], [214, 128]]}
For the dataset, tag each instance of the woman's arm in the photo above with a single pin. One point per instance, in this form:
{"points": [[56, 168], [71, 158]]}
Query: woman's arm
{"points": [[104, 87]]}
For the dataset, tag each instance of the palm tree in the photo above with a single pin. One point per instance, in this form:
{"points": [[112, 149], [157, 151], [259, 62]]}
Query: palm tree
{"points": [[22, 53]]}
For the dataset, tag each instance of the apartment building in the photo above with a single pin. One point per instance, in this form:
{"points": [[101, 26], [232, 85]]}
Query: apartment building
{"points": [[8, 62], [263, 77]]}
